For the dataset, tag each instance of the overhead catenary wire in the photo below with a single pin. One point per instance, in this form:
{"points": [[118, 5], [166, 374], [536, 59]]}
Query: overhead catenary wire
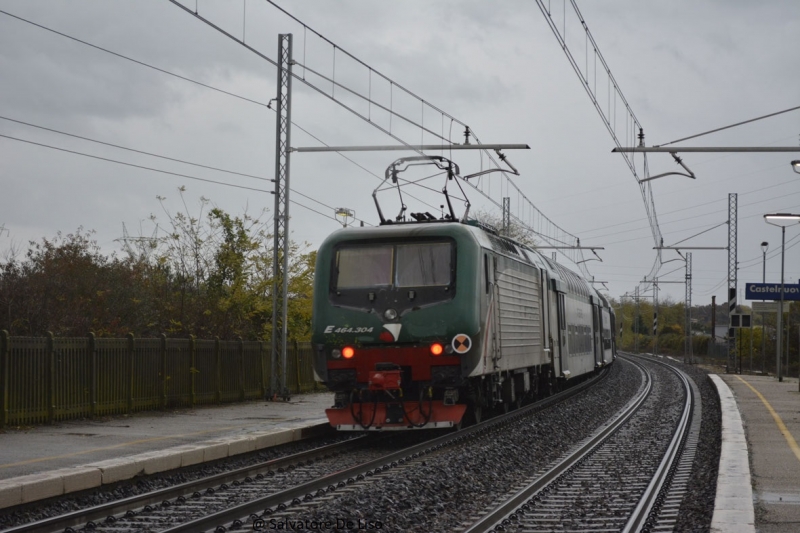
{"points": [[730, 126], [527, 224], [142, 63], [161, 171], [151, 154], [301, 79], [184, 78]]}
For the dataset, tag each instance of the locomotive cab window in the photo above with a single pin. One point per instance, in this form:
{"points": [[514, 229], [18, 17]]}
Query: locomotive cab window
{"points": [[427, 267], [364, 267], [422, 265]]}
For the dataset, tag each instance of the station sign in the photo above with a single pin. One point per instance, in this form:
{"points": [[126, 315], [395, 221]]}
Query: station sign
{"points": [[772, 291], [765, 307]]}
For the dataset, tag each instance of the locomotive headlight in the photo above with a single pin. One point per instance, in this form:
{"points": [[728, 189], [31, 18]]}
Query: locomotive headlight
{"points": [[336, 353], [436, 348], [348, 352], [390, 314]]}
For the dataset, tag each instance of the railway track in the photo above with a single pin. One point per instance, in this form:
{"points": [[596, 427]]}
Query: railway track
{"points": [[629, 476], [270, 491]]}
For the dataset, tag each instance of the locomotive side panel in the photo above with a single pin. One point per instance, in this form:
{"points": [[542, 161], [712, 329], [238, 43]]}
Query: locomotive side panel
{"points": [[520, 332]]}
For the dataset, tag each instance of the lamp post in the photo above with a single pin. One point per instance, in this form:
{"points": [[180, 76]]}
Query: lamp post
{"points": [[781, 220], [764, 248]]}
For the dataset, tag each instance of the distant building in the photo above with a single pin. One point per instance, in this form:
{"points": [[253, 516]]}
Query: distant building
{"points": [[721, 334]]}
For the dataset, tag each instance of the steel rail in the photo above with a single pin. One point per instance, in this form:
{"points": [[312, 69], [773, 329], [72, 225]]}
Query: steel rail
{"points": [[238, 515], [646, 503], [645, 512], [505, 513], [83, 516]]}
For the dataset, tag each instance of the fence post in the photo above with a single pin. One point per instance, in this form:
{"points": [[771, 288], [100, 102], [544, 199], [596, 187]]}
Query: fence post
{"points": [[261, 358], [131, 359], [217, 372], [4, 350], [164, 370], [240, 350], [93, 377], [297, 364], [193, 370], [51, 378]]}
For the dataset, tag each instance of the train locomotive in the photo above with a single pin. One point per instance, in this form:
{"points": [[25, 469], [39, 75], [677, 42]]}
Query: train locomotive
{"points": [[431, 322]]}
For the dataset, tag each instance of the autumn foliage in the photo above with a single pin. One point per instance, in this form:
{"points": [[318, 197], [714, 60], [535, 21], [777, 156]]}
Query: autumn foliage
{"points": [[205, 275]]}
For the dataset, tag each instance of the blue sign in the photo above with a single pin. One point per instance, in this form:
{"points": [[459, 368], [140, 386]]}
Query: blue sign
{"points": [[771, 291]]}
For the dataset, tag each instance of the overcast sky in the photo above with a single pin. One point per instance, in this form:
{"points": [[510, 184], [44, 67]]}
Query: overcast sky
{"points": [[685, 67]]}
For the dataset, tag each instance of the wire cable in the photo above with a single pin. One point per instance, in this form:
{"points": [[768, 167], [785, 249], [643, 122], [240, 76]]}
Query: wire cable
{"points": [[704, 231], [135, 166], [728, 127], [142, 63], [134, 150]]}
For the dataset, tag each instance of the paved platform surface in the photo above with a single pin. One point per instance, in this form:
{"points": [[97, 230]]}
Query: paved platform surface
{"points": [[770, 412], [47, 460]]}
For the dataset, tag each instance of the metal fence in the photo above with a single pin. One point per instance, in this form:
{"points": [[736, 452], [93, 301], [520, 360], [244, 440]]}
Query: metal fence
{"points": [[44, 379]]}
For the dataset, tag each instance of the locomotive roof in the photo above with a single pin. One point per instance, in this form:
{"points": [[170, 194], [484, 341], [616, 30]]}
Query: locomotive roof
{"points": [[485, 236]]}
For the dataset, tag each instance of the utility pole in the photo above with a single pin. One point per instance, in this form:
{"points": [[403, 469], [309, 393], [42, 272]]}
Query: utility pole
{"points": [[732, 273], [506, 216], [713, 325], [687, 354], [280, 251], [655, 316], [638, 318]]}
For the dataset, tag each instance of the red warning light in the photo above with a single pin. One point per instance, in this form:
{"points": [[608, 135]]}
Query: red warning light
{"points": [[436, 348], [348, 352], [386, 336]]}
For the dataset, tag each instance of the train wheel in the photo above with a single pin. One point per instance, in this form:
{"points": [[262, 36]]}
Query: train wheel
{"points": [[477, 413], [476, 403]]}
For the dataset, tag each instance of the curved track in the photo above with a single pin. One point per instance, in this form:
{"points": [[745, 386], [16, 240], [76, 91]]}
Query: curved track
{"points": [[618, 479]]}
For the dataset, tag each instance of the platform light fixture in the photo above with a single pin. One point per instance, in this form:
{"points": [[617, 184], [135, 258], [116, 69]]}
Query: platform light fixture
{"points": [[781, 220], [796, 165]]}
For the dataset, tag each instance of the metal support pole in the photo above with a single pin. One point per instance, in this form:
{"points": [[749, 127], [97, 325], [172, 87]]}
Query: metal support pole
{"points": [[778, 351], [636, 326], [763, 315], [280, 264], [506, 215], [739, 350], [788, 338], [655, 317], [687, 354], [751, 345], [732, 268], [712, 349]]}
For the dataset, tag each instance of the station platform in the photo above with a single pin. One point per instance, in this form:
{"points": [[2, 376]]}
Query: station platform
{"points": [[770, 413], [43, 461]]}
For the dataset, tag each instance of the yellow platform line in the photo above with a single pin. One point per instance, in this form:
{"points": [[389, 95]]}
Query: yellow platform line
{"points": [[781, 426]]}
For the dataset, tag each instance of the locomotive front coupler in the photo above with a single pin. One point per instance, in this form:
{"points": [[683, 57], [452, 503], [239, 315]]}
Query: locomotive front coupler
{"points": [[385, 377]]}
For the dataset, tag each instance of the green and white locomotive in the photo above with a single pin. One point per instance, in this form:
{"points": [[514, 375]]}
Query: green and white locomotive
{"points": [[420, 324]]}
